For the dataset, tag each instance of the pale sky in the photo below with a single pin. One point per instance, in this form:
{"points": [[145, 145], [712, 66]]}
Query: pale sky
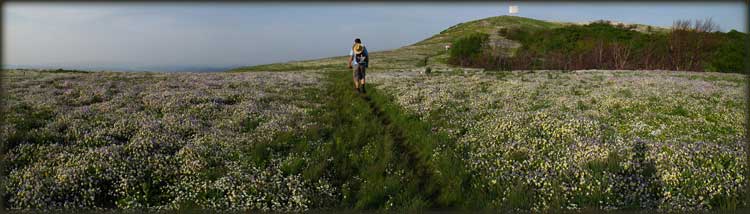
{"points": [[151, 35]]}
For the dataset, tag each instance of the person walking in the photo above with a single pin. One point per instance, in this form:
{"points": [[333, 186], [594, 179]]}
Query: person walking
{"points": [[358, 60]]}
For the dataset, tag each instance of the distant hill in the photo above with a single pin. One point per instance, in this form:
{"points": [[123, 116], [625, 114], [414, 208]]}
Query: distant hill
{"points": [[431, 51]]}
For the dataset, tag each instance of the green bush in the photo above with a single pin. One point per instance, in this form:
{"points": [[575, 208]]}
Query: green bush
{"points": [[60, 70], [731, 54], [467, 48], [600, 45]]}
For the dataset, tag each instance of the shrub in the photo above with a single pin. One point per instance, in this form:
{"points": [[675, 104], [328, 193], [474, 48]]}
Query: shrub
{"points": [[693, 46], [467, 48], [423, 62], [730, 54]]}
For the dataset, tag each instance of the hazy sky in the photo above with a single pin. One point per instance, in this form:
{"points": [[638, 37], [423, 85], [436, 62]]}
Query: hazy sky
{"points": [[226, 34]]}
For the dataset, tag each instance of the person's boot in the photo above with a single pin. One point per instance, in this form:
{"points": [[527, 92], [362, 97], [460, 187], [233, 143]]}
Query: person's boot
{"points": [[363, 89]]}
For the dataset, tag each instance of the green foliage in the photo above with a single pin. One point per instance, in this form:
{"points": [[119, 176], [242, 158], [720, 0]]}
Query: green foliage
{"points": [[573, 38], [466, 48], [600, 45], [731, 54], [28, 119], [423, 63], [249, 124], [521, 197], [60, 70]]}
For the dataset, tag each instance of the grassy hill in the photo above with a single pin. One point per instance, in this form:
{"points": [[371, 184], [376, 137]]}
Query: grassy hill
{"points": [[431, 51], [413, 56]]}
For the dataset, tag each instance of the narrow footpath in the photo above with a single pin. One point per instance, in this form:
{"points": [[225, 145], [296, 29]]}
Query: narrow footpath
{"points": [[382, 157]]}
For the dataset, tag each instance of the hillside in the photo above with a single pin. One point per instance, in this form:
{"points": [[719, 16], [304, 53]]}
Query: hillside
{"points": [[413, 56], [431, 51]]}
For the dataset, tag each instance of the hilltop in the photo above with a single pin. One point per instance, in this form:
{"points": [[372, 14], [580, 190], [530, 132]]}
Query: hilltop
{"points": [[431, 51]]}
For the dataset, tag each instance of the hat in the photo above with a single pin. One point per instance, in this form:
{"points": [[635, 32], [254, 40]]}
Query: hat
{"points": [[358, 48]]}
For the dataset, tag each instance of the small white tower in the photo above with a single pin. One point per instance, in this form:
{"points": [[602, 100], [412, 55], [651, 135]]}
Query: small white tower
{"points": [[513, 9]]}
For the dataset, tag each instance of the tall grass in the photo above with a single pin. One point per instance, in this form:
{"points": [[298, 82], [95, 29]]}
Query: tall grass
{"points": [[383, 158]]}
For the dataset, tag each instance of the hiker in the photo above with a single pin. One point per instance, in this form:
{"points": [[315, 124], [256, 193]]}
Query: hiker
{"points": [[358, 58]]}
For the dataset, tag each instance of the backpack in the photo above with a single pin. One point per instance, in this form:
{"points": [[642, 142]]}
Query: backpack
{"points": [[364, 55]]}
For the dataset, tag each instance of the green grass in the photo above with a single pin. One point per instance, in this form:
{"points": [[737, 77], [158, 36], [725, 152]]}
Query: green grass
{"points": [[381, 157], [487, 25]]}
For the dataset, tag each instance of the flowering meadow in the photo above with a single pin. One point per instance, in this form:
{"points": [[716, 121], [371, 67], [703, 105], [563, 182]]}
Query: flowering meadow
{"points": [[304, 140], [295, 136], [540, 140], [158, 140]]}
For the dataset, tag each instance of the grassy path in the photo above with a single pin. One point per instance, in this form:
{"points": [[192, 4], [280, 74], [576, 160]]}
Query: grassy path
{"points": [[382, 158], [407, 156]]}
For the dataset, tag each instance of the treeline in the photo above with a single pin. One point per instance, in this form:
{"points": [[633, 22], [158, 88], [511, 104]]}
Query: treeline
{"points": [[688, 46], [60, 70]]}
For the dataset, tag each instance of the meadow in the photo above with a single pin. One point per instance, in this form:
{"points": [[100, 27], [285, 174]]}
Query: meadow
{"points": [[427, 135], [611, 139], [292, 141], [132, 140]]}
